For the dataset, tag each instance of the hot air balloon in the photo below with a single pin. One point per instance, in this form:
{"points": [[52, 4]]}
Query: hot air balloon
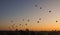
{"points": [[11, 21], [28, 20], [23, 19], [19, 24], [9, 27], [35, 5], [56, 21], [49, 11], [40, 7], [12, 26], [39, 18], [16, 26], [37, 21], [26, 24], [22, 25]]}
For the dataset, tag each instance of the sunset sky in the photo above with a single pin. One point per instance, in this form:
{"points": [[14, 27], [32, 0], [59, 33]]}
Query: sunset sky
{"points": [[20, 11]]}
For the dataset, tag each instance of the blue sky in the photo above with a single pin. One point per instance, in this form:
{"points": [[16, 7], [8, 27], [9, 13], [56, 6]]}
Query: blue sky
{"points": [[17, 10]]}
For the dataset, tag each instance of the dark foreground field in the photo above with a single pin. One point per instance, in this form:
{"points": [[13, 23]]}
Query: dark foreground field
{"points": [[29, 32]]}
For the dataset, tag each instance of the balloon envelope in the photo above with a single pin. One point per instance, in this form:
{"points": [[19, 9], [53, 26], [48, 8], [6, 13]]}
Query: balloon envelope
{"points": [[37, 21], [40, 7], [35, 5], [56, 21], [50, 11]]}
